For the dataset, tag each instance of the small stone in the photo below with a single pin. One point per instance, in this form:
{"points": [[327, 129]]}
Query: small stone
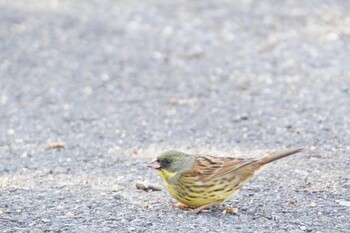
{"points": [[244, 117], [313, 148], [159, 56], [3, 99], [66, 107], [172, 101], [118, 196], [10, 132], [69, 215], [24, 155], [142, 185], [2, 213], [147, 224], [115, 188], [45, 220], [105, 77], [343, 203], [312, 204], [292, 202], [146, 186], [230, 210]]}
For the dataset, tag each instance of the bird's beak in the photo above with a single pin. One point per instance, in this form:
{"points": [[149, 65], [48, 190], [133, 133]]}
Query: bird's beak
{"points": [[154, 165]]}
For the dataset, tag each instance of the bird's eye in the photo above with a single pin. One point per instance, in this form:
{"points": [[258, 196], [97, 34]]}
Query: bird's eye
{"points": [[168, 161]]}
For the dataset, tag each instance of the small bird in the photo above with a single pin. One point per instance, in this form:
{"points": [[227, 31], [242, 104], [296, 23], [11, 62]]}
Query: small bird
{"points": [[203, 181]]}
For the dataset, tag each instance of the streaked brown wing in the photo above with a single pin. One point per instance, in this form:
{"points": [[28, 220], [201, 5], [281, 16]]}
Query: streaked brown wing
{"points": [[208, 167]]}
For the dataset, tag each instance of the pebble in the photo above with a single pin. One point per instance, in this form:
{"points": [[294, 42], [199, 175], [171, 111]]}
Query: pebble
{"points": [[118, 196], [69, 215], [45, 220]]}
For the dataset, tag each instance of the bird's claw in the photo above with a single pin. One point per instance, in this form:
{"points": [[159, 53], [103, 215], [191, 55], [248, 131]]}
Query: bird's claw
{"points": [[181, 206]]}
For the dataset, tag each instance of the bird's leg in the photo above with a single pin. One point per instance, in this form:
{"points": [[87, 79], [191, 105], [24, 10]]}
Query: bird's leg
{"points": [[199, 209], [181, 206]]}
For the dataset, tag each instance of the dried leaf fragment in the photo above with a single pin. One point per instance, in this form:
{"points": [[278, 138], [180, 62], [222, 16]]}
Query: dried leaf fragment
{"points": [[56, 145], [147, 186], [230, 210], [292, 202]]}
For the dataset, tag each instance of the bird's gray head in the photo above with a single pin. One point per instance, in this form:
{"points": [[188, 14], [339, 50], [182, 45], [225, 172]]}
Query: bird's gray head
{"points": [[173, 161]]}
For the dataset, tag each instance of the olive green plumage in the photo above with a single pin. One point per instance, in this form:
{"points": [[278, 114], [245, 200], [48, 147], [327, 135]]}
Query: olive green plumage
{"points": [[204, 180]]}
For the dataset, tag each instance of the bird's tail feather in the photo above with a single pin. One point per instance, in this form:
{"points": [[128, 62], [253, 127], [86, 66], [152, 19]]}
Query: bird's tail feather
{"points": [[279, 155]]}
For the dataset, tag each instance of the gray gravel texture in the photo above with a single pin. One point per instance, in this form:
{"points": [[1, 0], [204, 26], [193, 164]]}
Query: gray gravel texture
{"points": [[121, 81]]}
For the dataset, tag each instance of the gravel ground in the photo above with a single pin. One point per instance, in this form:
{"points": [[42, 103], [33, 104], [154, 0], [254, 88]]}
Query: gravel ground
{"points": [[120, 81]]}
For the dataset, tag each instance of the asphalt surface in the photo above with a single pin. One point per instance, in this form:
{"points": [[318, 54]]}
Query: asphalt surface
{"points": [[117, 82]]}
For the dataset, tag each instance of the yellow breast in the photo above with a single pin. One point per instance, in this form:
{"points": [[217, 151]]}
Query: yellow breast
{"points": [[193, 192]]}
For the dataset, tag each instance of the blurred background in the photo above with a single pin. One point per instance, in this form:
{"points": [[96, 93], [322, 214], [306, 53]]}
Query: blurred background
{"points": [[91, 90], [141, 73]]}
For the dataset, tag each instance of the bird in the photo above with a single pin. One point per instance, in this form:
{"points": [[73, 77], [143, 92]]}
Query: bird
{"points": [[202, 181]]}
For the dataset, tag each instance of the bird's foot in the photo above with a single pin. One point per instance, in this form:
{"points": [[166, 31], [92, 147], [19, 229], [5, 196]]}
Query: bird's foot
{"points": [[203, 207], [181, 206]]}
